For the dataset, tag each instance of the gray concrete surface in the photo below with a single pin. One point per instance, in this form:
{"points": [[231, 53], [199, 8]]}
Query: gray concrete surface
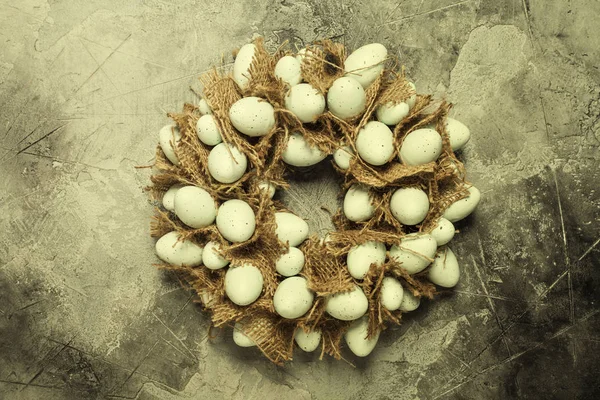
{"points": [[84, 88]]}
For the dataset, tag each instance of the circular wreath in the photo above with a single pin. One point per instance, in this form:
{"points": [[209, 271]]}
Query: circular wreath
{"points": [[250, 259]]}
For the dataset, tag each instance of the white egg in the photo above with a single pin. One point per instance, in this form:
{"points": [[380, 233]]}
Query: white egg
{"points": [[304, 101], [356, 338], [168, 199], [290, 263], [412, 99], [366, 63], [361, 256], [175, 252], [443, 231], [288, 70], [269, 187], [195, 207], [358, 204], [392, 113], [203, 107], [462, 208], [307, 341], [444, 270], [290, 228], [243, 284], [236, 220], [211, 257], [342, 157], [253, 116], [301, 55], [420, 147], [458, 133], [392, 293], [241, 65], [293, 298], [240, 338], [375, 143], [415, 252], [347, 306], [409, 302], [409, 205], [226, 163], [299, 153], [346, 98], [168, 138], [207, 130]]}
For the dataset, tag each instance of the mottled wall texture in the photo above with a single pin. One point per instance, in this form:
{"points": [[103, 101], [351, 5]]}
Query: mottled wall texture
{"points": [[84, 88]]}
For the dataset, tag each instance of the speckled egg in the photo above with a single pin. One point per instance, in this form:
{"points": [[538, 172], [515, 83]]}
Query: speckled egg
{"points": [[208, 131], [241, 65], [463, 208], [358, 205], [168, 199], [168, 137], [299, 153], [290, 263], [204, 107], [421, 147], [356, 338], [392, 293], [307, 341], [226, 163], [268, 187], [288, 70], [444, 270], [195, 207], [409, 205], [409, 302], [415, 252], [175, 252], [342, 157], [240, 338], [366, 63], [306, 102], [443, 231], [253, 116], [347, 306], [236, 220], [375, 143], [346, 98], [243, 284], [360, 258], [392, 113], [290, 228], [458, 133], [293, 298], [211, 257]]}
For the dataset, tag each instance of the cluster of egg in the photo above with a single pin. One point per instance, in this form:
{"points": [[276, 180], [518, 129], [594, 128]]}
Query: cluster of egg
{"points": [[236, 221]]}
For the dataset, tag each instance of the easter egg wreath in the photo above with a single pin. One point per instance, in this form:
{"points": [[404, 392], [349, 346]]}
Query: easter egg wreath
{"points": [[252, 261]]}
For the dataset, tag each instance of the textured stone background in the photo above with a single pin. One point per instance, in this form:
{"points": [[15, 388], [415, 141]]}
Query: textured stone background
{"points": [[84, 88]]}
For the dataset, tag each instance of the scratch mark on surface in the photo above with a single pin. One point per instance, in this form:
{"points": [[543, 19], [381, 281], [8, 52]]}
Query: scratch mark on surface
{"points": [[176, 337], [565, 250], [526, 11], [588, 251], [23, 308], [545, 119], [418, 14], [490, 302], [68, 161], [101, 64], [43, 137], [516, 356]]}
